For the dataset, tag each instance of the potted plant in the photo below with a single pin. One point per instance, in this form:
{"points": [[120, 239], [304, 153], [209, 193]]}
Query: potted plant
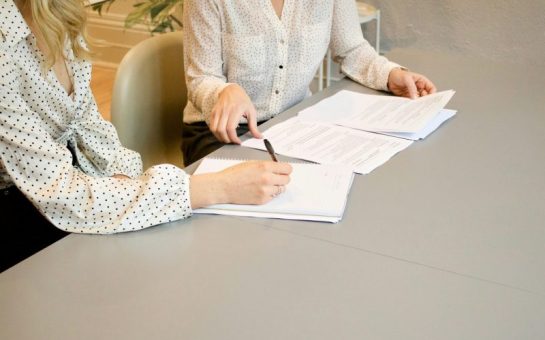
{"points": [[158, 15]]}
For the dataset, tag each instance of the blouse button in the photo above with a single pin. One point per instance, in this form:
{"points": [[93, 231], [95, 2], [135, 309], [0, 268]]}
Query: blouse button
{"points": [[276, 91]]}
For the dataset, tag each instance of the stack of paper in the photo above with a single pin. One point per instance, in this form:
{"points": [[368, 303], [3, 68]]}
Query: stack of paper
{"points": [[401, 117], [315, 192], [357, 130]]}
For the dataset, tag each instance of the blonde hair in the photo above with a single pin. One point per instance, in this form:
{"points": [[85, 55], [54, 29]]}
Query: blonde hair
{"points": [[58, 21]]}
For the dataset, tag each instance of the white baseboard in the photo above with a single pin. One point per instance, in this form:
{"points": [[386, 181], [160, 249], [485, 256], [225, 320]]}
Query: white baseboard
{"points": [[120, 39]]}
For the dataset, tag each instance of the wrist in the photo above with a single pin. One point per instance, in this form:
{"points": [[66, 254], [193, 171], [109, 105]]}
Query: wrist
{"points": [[228, 87], [207, 189], [394, 74]]}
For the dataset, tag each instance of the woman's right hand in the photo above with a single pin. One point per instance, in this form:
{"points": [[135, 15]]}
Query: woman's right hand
{"points": [[253, 182], [233, 103]]}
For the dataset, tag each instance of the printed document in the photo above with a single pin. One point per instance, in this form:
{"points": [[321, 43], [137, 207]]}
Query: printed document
{"points": [[378, 113], [329, 144], [439, 119]]}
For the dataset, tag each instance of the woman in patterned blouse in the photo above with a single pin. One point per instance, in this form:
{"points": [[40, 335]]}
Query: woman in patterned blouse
{"points": [[62, 167], [247, 61]]}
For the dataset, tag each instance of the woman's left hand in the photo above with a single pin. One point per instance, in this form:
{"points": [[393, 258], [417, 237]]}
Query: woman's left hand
{"points": [[408, 84]]}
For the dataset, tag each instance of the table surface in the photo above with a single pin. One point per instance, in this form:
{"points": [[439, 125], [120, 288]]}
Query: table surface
{"points": [[444, 241]]}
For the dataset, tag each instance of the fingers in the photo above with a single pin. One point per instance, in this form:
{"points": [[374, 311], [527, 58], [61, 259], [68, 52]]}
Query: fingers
{"points": [[232, 125], [429, 86], [214, 120], [282, 168], [279, 189], [224, 123], [410, 86], [423, 85], [279, 168], [232, 104], [276, 179], [252, 123], [270, 192], [274, 173], [222, 126], [227, 123], [217, 124], [254, 182], [275, 182]]}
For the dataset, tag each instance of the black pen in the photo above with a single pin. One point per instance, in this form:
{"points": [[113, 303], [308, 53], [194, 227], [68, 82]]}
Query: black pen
{"points": [[270, 150]]}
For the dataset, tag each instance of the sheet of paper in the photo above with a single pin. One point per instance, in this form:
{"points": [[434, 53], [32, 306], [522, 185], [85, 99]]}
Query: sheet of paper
{"points": [[330, 144], [315, 192], [439, 119], [341, 104], [377, 113]]}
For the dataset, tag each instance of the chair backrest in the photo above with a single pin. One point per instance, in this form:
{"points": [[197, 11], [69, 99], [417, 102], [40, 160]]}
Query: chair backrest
{"points": [[148, 99]]}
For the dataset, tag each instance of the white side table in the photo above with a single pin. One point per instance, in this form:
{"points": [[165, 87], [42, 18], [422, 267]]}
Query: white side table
{"points": [[366, 14]]}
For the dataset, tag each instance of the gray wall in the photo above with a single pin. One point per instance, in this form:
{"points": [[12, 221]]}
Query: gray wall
{"points": [[503, 30]]}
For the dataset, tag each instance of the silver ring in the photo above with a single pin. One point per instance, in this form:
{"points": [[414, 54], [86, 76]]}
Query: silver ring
{"points": [[279, 190]]}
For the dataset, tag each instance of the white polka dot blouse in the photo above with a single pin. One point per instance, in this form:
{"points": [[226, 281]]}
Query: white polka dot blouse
{"points": [[274, 59], [61, 154]]}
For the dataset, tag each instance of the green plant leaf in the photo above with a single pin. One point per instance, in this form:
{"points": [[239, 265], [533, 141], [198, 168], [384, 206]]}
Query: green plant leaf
{"points": [[157, 9], [158, 15]]}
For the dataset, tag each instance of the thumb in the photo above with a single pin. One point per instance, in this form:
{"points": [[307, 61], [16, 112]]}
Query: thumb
{"points": [[252, 123]]}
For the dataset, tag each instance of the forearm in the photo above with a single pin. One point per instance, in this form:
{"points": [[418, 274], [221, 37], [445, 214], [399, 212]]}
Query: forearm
{"points": [[357, 57], [204, 91], [203, 61], [207, 189], [366, 67]]}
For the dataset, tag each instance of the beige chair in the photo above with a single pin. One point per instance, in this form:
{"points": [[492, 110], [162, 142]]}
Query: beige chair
{"points": [[148, 99]]}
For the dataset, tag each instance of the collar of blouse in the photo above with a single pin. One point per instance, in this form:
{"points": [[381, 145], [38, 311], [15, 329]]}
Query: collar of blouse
{"points": [[13, 27]]}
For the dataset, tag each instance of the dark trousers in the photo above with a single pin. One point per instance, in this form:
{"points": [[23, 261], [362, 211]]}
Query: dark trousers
{"points": [[24, 231], [198, 141]]}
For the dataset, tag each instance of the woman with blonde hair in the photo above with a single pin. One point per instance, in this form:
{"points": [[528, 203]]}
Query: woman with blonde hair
{"points": [[62, 167]]}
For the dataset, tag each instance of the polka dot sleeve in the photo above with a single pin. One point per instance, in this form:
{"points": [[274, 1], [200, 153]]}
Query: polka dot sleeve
{"points": [[71, 199], [103, 148]]}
